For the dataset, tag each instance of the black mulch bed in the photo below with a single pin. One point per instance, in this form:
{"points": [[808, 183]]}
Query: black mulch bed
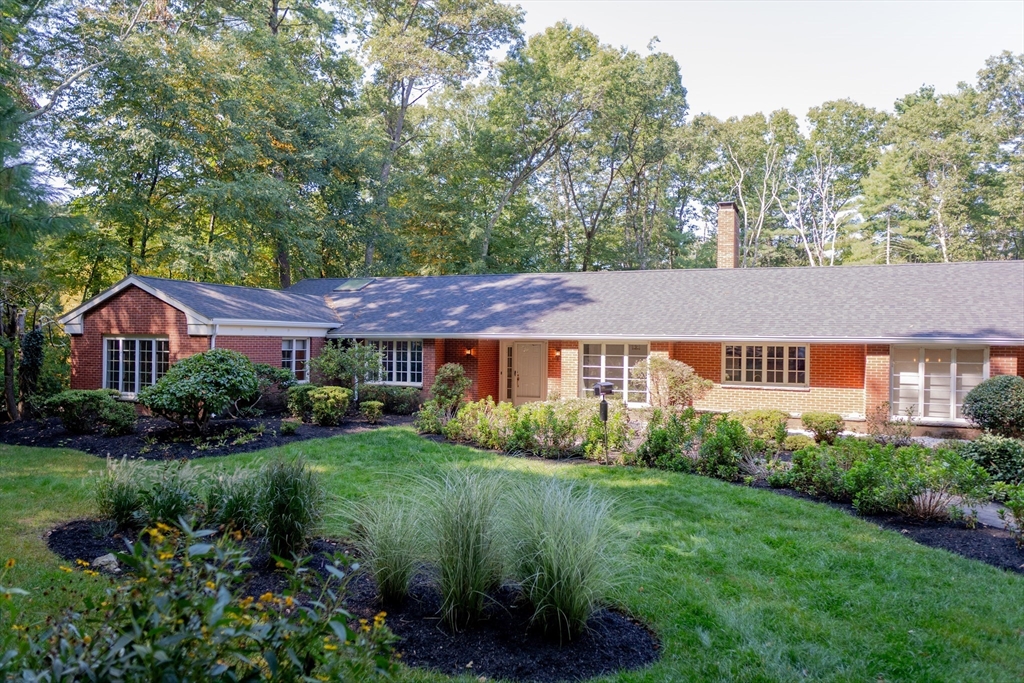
{"points": [[158, 439], [986, 544], [501, 646]]}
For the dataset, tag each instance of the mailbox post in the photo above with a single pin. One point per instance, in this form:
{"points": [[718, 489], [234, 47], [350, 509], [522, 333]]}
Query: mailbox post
{"points": [[603, 389]]}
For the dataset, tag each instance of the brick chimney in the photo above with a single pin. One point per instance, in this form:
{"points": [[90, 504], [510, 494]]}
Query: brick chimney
{"points": [[728, 235]]}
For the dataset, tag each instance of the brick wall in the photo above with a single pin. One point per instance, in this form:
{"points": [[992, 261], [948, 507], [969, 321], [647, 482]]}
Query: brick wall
{"points": [[480, 364], [129, 312], [570, 370], [554, 375], [258, 349], [1006, 360], [876, 377]]}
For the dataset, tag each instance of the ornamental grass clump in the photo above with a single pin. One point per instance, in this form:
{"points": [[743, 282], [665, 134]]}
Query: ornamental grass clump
{"points": [[564, 553], [461, 518], [389, 539], [119, 492], [291, 506], [172, 494], [232, 500]]}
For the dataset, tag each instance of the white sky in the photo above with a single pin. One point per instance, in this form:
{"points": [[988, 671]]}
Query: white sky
{"points": [[743, 56]]}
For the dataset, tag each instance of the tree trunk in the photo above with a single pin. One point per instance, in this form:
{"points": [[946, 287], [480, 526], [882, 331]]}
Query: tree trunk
{"points": [[284, 265], [10, 336]]}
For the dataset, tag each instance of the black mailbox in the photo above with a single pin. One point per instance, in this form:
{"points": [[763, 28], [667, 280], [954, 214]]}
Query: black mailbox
{"points": [[604, 389]]}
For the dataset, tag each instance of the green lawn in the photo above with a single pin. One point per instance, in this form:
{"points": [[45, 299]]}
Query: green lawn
{"points": [[740, 584]]}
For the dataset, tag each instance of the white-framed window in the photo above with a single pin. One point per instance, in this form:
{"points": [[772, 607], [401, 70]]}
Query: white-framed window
{"points": [[295, 357], [782, 365], [401, 361], [131, 363], [931, 382], [611, 362]]}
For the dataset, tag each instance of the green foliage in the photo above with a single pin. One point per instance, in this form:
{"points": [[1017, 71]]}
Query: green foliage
{"points": [[1012, 513], [270, 380], [997, 405], [329, 405], [449, 388], [764, 425], [389, 538], [671, 383], [396, 400], [1002, 457], [289, 428], [430, 418], [796, 442], [371, 410], [885, 428], [85, 411], [119, 492], [565, 553], [172, 495], [232, 500], [348, 365], [825, 426], [822, 470], [32, 355], [184, 618], [198, 387], [485, 423], [671, 442], [300, 405], [721, 450], [462, 525], [291, 506]]}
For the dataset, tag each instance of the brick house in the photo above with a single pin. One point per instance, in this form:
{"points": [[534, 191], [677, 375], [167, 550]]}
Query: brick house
{"points": [[843, 340]]}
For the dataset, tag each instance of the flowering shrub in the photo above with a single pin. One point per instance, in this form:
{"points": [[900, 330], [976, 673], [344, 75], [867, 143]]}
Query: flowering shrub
{"points": [[183, 618]]}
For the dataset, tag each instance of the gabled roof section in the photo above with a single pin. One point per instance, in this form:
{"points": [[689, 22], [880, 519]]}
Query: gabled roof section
{"points": [[980, 302], [207, 304]]}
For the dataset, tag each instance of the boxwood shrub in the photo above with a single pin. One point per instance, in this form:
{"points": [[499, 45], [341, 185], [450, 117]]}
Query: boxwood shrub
{"points": [[396, 400], [1001, 457], [86, 411], [824, 426], [300, 405], [329, 405], [997, 405]]}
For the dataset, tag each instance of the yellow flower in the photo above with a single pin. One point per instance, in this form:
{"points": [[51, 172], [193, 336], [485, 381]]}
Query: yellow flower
{"points": [[364, 629], [288, 601], [165, 555], [66, 569], [267, 597], [330, 648], [9, 563], [81, 563], [211, 585], [90, 572], [163, 527], [17, 627], [363, 621], [86, 639], [246, 601]]}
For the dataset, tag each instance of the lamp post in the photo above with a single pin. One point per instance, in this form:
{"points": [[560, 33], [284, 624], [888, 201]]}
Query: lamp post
{"points": [[603, 389]]}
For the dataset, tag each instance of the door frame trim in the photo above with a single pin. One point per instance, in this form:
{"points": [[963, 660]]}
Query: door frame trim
{"points": [[503, 355]]}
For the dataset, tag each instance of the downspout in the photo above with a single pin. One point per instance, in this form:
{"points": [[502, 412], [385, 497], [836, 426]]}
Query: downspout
{"points": [[213, 339]]}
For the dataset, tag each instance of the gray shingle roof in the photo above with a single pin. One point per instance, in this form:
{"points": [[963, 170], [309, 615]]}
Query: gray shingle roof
{"points": [[981, 301], [227, 302]]}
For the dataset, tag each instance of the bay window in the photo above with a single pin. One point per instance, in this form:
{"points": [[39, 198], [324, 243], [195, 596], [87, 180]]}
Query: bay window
{"points": [[401, 361], [295, 357], [132, 363], [612, 363], [932, 382], [765, 364]]}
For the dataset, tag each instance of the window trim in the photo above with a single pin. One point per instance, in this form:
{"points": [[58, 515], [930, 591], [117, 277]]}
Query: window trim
{"points": [[921, 348], [291, 368], [131, 395], [376, 344], [603, 342], [785, 386]]}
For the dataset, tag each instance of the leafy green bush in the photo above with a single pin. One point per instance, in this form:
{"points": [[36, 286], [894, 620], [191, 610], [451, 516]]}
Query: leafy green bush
{"points": [[885, 428], [997, 405], [201, 386], [300, 405], [821, 470], [485, 423], [449, 389], [349, 365], [1002, 457], [462, 524], [396, 400], [232, 500], [291, 506], [564, 552], [430, 418], [1012, 513], [270, 381], [289, 428], [172, 494], [796, 442], [329, 405], [119, 492], [86, 411], [549, 429], [389, 537], [825, 426], [765, 425], [372, 411], [915, 481], [670, 383], [721, 450], [669, 442], [184, 618]]}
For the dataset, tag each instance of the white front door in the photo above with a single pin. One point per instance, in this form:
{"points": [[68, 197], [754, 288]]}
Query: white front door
{"points": [[528, 364]]}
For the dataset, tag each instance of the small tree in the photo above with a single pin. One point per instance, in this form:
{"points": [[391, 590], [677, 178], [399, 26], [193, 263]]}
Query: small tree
{"points": [[201, 386], [349, 365], [449, 388], [672, 383], [31, 367]]}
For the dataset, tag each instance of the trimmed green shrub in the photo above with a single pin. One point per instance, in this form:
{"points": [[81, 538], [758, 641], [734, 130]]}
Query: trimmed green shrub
{"points": [[485, 423], [86, 411], [372, 411], [291, 506], [671, 383], [396, 400], [119, 492], [821, 470], [185, 617], [329, 405], [549, 429], [232, 500], [172, 495], [462, 524], [300, 405], [564, 553], [796, 442], [721, 450], [826, 427], [389, 539], [449, 389], [1002, 457], [289, 428], [764, 425], [670, 442], [201, 386], [997, 405], [430, 418]]}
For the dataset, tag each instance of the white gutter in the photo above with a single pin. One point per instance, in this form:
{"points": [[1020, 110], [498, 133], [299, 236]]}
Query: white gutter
{"points": [[511, 334]]}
